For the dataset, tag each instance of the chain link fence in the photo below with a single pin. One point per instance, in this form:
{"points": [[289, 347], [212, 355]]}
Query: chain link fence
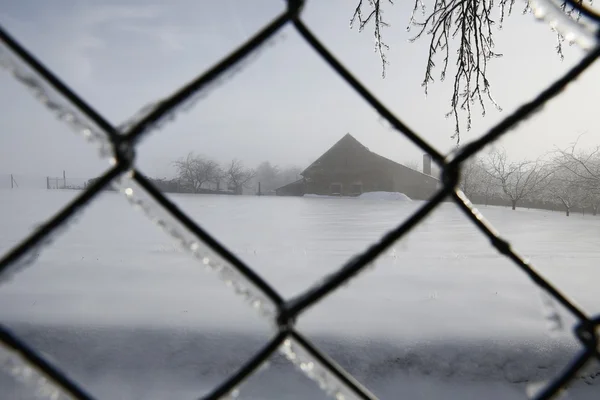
{"points": [[118, 144], [24, 181]]}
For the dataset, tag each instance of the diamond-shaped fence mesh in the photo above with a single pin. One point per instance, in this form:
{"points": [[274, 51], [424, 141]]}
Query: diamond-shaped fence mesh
{"points": [[118, 144]]}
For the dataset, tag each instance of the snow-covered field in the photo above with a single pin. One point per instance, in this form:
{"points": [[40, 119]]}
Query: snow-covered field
{"points": [[388, 196], [119, 307]]}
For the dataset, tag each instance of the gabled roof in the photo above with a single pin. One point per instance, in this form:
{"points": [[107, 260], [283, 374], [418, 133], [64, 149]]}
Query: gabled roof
{"points": [[347, 142], [361, 155]]}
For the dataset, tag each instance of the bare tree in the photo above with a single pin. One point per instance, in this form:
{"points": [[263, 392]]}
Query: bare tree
{"points": [[268, 175], [473, 177], [518, 180], [272, 177], [469, 25], [475, 181], [584, 168], [592, 200], [194, 171], [566, 188], [238, 176], [489, 187]]}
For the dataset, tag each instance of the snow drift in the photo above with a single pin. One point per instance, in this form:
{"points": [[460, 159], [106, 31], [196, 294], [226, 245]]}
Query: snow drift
{"points": [[390, 196], [396, 196]]}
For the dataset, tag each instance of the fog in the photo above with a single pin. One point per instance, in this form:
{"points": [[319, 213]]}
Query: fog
{"points": [[286, 106], [442, 314]]}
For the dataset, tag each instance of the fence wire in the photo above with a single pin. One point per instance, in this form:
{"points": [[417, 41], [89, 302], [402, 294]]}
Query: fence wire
{"points": [[118, 144]]}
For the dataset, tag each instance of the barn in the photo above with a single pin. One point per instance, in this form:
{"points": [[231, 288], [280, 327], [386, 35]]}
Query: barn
{"points": [[349, 168]]}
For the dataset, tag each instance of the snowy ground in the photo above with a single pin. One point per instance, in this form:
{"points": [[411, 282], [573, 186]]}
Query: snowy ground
{"points": [[384, 196], [442, 315]]}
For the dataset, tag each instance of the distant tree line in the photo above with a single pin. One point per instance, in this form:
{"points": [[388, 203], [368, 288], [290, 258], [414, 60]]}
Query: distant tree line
{"points": [[199, 174], [272, 177], [568, 178]]}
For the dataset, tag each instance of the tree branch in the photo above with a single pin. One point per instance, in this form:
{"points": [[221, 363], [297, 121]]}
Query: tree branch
{"points": [[465, 22]]}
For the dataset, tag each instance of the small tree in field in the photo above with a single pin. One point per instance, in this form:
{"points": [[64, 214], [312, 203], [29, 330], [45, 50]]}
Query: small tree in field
{"points": [[238, 176], [566, 188], [193, 171], [584, 167], [592, 200], [272, 177], [268, 175], [473, 179], [518, 180], [489, 188]]}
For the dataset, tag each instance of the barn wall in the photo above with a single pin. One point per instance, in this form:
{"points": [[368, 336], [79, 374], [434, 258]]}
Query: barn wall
{"points": [[292, 189], [388, 179], [413, 184], [368, 181]]}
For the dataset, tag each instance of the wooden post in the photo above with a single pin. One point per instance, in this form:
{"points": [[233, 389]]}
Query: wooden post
{"points": [[47, 182], [64, 180], [259, 189], [12, 185]]}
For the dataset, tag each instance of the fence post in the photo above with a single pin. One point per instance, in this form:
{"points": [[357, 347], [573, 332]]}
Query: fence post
{"points": [[12, 185], [47, 182], [64, 180], [259, 193]]}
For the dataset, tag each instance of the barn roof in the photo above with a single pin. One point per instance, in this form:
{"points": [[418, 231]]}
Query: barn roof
{"points": [[361, 157]]}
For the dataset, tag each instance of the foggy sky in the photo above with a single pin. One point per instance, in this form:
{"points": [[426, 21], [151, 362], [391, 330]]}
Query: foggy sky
{"points": [[286, 106]]}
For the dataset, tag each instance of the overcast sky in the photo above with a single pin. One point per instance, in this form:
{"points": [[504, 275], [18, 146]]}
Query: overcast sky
{"points": [[286, 106]]}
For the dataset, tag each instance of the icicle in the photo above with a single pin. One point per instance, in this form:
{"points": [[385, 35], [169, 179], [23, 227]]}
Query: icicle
{"points": [[213, 262], [551, 314], [53, 101], [13, 364], [584, 35], [327, 382], [533, 390]]}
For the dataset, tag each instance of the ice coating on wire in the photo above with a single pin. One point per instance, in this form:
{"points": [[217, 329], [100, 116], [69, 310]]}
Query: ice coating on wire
{"points": [[32, 254], [551, 314], [583, 34], [327, 381], [534, 389], [138, 116], [22, 371], [26, 260], [212, 261], [54, 101]]}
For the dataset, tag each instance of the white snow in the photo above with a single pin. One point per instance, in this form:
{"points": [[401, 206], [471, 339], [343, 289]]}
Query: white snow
{"points": [[323, 196], [395, 196], [442, 314], [384, 196]]}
